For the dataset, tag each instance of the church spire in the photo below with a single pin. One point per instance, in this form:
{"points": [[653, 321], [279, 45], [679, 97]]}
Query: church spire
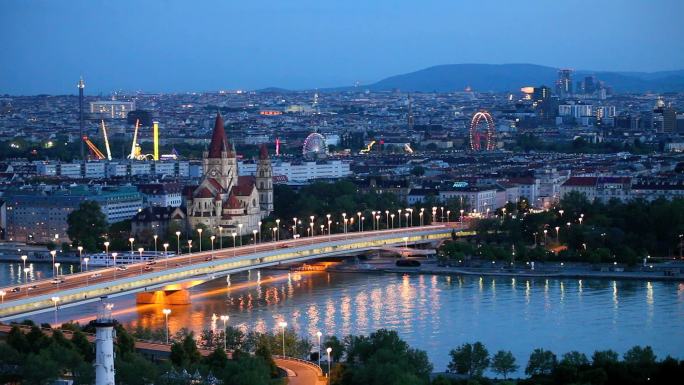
{"points": [[219, 142]]}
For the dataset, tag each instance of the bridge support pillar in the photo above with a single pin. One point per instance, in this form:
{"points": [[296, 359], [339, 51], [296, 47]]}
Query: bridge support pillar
{"points": [[164, 297]]}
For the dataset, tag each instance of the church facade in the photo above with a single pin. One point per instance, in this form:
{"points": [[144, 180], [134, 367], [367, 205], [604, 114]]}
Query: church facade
{"points": [[225, 199]]}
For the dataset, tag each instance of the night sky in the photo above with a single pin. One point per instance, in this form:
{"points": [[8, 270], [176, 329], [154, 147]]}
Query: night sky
{"points": [[170, 45]]}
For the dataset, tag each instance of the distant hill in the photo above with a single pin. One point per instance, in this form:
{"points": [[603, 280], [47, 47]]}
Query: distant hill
{"points": [[511, 77]]}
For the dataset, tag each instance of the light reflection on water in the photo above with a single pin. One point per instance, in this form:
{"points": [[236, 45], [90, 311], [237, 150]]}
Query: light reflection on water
{"points": [[434, 313]]}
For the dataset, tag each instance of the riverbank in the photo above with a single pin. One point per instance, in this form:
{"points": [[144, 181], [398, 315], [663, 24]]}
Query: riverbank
{"points": [[557, 271]]}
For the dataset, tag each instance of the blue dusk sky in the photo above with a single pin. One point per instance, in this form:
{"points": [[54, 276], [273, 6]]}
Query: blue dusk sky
{"points": [[200, 45]]}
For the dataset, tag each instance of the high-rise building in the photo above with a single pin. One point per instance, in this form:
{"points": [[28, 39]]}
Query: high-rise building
{"points": [[81, 86], [564, 82], [669, 120], [113, 109]]}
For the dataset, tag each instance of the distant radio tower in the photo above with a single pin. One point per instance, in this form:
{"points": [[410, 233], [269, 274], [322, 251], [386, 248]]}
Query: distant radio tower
{"points": [[81, 86], [409, 116]]}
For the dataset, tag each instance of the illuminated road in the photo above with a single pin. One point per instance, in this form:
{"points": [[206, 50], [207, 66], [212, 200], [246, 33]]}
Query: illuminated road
{"points": [[178, 272]]}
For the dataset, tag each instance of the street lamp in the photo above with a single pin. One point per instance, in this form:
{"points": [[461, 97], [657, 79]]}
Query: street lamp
{"points": [[225, 318], [283, 325], [449, 212], [329, 350], [80, 256], [212, 238], [421, 217], [220, 229], [55, 300], [545, 231], [407, 219], [106, 245], [240, 233], [140, 251], [189, 250], [166, 253], [557, 234], [405, 242], [53, 253], [362, 219], [178, 250], [114, 256], [26, 271], [233, 234], [387, 217], [319, 334], [131, 240], [254, 233], [358, 214], [344, 219], [200, 239], [277, 229], [155, 236], [392, 216], [166, 323], [86, 260], [23, 260], [399, 217], [57, 265]]}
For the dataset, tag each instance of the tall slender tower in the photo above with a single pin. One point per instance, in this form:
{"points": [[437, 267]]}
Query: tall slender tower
{"points": [[409, 116], [264, 181], [104, 346], [81, 86]]}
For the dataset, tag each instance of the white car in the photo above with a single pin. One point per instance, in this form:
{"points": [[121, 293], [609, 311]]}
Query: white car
{"points": [[56, 281], [122, 267], [96, 275]]}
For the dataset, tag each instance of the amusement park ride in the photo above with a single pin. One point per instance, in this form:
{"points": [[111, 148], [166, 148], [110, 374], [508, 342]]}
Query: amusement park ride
{"points": [[482, 140], [136, 151]]}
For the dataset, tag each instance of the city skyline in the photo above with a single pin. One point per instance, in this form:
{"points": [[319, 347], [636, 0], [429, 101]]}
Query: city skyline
{"points": [[306, 45]]}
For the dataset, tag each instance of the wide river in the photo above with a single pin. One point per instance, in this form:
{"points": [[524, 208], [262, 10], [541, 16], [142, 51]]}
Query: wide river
{"points": [[433, 313]]}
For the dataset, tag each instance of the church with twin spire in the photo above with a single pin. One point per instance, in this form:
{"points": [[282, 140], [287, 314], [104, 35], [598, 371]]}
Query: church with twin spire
{"points": [[223, 197]]}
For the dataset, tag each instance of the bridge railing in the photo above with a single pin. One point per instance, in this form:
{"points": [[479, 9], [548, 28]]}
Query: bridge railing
{"points": [[314, 366]]}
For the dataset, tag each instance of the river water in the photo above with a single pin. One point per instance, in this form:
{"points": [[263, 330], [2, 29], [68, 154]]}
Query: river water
{"points": [[433, 313]]}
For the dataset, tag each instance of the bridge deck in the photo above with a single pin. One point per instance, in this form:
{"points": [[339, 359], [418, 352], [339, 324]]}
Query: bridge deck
{"points": [[182, 271]]}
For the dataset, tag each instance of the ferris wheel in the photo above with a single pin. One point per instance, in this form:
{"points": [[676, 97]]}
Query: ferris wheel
{"points": [[482, 139]]}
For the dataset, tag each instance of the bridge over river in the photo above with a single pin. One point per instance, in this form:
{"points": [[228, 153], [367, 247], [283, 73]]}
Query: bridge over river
{"points": [[166, 281]]}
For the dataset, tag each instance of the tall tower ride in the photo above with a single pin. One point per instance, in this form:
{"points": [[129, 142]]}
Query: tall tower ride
{"points": [[409, 116], [81, 86], [104, 346]]}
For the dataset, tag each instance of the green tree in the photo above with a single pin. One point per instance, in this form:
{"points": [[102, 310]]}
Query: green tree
{"points": [[603, 358], [541, 362], [575, 359], [87, 226], [470, 359], [503, 363], [135, 370], [640, 356], [39, 369]]}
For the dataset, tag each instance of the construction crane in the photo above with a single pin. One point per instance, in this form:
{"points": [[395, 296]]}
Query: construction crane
{"points": [[106, 141], [93, 149]]}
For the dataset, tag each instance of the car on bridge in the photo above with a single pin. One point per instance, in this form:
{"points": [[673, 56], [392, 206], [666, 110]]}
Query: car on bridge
{"points": [[122, 267], [56, 281]]}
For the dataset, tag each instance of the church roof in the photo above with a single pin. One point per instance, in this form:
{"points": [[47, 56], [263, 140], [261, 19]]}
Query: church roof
{"points": [[219, 142], [233, 202], [204, 193], [244, 186]]}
